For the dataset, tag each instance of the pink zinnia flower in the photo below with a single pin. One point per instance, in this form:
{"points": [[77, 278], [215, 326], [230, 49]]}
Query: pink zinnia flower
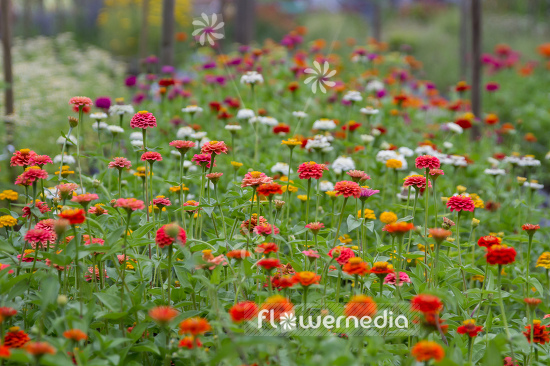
{"points": [[313, 254], [213, 262], [81, 102], [120, 163], [85, 198], [341, 254], [367, 192], [214, 177], [403, 278], [129, 204], [39, 236], [143, 119], [358, 175], [427, 162], [417, 181], [214, 147], [254, 179], [435, 173], [162, 202], [94, 271], [167, 235], [203, 160], [347, 189], [22, 157], [460, 203], [40, 160], [310, 170], [315, 227], [94, 210], [4, 266], [182, 146], [42, 206], [66, 189], [191, 203], [265, 229], [30, 175], [97, 241], [151, 156]]}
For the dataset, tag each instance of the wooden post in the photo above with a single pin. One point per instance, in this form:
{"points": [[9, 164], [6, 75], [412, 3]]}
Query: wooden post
{"points": [[168, 33], [476, 62], [464, 53], [246, 13], [377, 20], [144, 30], [5, 23]]}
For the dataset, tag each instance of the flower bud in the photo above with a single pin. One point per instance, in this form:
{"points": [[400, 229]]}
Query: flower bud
{"points": [[62, 300], [73, 122], [475, 222], [60, 226]]}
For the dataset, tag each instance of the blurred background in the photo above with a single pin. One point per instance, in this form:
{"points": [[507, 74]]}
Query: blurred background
{"points": [[429, 29]]}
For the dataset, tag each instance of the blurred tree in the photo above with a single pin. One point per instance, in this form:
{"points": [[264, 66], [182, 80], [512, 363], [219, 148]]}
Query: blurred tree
{"points": [[246, 19], [27, 18], [377, 20], [463, 51], [6, 25], [168, 33], [476, 62]]}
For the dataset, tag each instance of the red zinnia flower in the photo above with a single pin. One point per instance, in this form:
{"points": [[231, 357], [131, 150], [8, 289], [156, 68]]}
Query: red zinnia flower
{"points": [[194, 326], [341, 254], [189, 342], [42, 206], [168, 234], [399, 228], [269, 263], [242, 311], [238, 254], [460, 203], [488, 241], [151, 156], [75, 216], [424, 351], [540, 334], [277, 306], [315, 227], [530, 228], [40, 160], [469, 327], [427, 304], [270, 189], [267, 248], [16, 338], [500, 254]]}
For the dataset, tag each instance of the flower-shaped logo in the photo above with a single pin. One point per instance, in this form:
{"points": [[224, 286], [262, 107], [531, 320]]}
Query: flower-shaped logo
{"points": [[320, 77], [208, 29], [288, 321]]}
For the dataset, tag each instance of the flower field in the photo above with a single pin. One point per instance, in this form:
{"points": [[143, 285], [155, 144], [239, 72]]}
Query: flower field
{"points": [[201, 216]]}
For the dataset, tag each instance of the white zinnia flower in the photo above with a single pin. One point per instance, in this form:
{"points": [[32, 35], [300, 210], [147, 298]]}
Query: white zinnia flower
{"points": [[369, 111], [99, 126], [98, 116], [325, 186], [184, 132], [533, 185], [342, 164], [319, 142], [136, 136], [137, 143], [233, 127], [374, 86], [192, 109], [353, 96], [115, 129], [199, 135], [269, 121], [121, 109], [299, 114], [324, 124], [70, 142], [245, 113], [67, 159], [282, 168], [495, 171], [403, 150], [252, 77], [367, 138], [454, 128]]}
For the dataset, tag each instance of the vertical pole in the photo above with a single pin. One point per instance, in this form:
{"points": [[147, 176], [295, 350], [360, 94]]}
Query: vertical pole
{"points": [[5, 23], [168, 32], [144, 29], [464, 53], [246, 13], [476, 62]]}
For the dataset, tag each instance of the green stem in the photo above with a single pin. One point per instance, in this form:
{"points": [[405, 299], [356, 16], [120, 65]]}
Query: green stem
{"points": [[503, 313], [340, 221]]}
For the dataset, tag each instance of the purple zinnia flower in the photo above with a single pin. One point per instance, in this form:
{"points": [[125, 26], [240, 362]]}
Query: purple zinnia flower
{"points": [[130, 81], [103, 102], [367, 192]]}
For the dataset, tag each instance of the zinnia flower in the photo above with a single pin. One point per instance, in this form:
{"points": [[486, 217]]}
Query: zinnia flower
{"points": [[254, 179], [22, 158], [194, 326], [469, 327], [315, 227], [151, 156], [75, 335], [143, 119], [530, 228], [243, 311], [399, 228], [267, 248], [427, 304], [277, 306], [170, 233], [39, 349], [120, 163], [500, 254], [341, 254], [269, 263], [266, 229], [75, 216], [425, 351], [347, 189], [311, 170], [16, 338], [360, 306], [356, 267], [488, 241], [129, 204], [306, 278], [182, 146], [163, 314], [390, 279], [427, 162], [460, 203], [270, 189], [540, 334], [214, 147], [81, 102]]}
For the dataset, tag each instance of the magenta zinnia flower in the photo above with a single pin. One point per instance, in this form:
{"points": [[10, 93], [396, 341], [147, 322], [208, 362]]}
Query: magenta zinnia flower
{"points": [[161, 202], [40, 236], [460, 203], [266, 229], [30, 175], [203, 160], [143, 119], [167, 235], [367, 192], [391, 280]]}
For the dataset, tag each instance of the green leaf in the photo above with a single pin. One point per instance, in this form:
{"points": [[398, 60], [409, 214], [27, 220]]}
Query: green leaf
{"points": [[353, 223]]}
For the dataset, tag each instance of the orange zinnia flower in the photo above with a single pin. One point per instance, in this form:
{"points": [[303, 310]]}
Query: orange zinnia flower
{"points": [[39, 349], [163, 314], [194, 326], [277, 305], [427, 350], [399, 228], [306, 278], [356, 266], [360, 306], [75, 334]]}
